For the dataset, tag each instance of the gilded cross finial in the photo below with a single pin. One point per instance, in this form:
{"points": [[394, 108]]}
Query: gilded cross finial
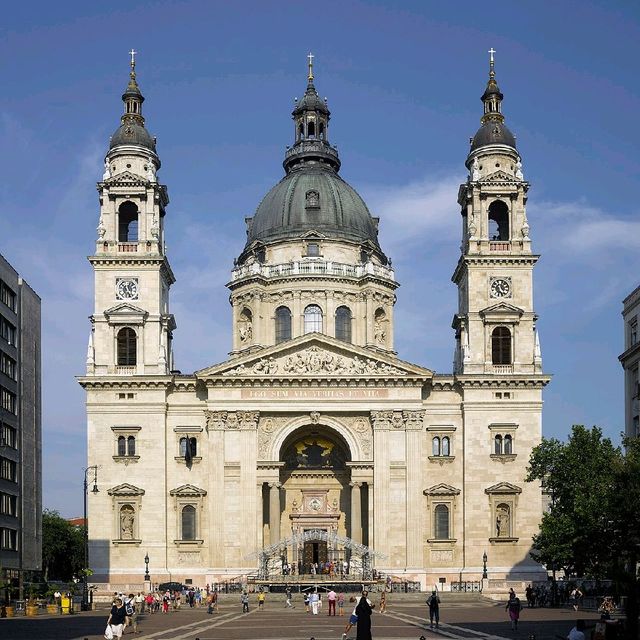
{"points": [[310, 57], [132, 53], [491, 61]]}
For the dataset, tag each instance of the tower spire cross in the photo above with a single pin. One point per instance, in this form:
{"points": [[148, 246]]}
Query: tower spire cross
{"points": [[491, 52], [133, 53], [310, 58]]}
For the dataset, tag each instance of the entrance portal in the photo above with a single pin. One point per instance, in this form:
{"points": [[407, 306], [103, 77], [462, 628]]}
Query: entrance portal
{"points": [[314, 553]]}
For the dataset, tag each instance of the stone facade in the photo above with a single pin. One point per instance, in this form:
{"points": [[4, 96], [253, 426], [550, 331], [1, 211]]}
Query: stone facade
{"points": [[313, 423]]}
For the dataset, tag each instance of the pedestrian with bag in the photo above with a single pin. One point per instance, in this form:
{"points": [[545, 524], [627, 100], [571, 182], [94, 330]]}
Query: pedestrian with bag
{"points": [[116, 620], [514, 607]]}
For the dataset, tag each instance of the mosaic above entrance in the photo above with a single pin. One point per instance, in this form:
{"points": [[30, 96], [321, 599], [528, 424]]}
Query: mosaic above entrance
{"points": [[314, 452]]}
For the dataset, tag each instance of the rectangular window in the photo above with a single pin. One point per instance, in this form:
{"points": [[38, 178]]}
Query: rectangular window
{"points": [[8, 436], [8, 366], [8, 469], [633, 332], [8, 400], [7, 331], [8, 539], [8, 504], [7, 296]]}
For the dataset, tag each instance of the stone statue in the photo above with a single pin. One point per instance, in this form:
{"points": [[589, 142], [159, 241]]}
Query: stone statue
{"points": [[475, 170], [102, 230], [502, 522], [379, 331], [519, 174], [107, 171], [127, 520], [151, 171], [245, 331]]}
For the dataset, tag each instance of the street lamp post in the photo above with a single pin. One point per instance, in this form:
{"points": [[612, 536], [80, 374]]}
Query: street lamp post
{"points": [[484, 566], [147, 577], [85, 585]]}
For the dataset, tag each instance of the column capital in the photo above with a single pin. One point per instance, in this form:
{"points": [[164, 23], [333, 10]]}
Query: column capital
{"points": [[275, 485], [355, 485]]}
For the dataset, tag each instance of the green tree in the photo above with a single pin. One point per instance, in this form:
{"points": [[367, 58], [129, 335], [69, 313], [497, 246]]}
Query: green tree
{"points": [[592, 527], [62, 547]]}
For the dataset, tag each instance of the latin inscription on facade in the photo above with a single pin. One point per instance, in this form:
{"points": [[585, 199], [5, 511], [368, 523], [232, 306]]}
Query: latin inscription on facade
{"points": [[314, 394]]}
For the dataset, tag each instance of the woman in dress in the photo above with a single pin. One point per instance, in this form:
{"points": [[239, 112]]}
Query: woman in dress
{"points": [[363, 611], [117, 617]]}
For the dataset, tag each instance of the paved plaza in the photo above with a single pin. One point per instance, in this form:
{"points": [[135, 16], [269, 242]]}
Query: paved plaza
{"points": [[405, 618]]}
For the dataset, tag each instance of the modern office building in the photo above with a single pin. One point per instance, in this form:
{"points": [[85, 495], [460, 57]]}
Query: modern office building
{"points": [[20, 427]]}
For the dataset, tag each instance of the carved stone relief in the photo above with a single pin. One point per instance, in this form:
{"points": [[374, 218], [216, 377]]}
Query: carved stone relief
{"points": [[220, 420], [266, 430], [361, 427], [189, 557], [386, 420], [313, 361]]}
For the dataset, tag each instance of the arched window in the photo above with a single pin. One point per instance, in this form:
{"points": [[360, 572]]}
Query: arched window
{"points": [[441, 522], [127, 343], [128, 222], [313, 319], [446, 448], [183, 446], [321, 131], [188, 522], [498, 221], [508, 444], [283, 324], [497, 445], [122, 446], [501, 346], [311, 130], [435, 446], [301, 132], [131, 446], [343, 324]]}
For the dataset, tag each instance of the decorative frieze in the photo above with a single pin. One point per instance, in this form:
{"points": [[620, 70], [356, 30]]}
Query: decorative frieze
{"points": [[236, 420], [400, 420]]}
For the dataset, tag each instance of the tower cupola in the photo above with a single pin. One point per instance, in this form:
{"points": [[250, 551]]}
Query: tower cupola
{"points": [[132, 130], [493, 130], [311, 118]]}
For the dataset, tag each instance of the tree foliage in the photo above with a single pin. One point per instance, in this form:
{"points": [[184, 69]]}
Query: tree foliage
{"points": [[62, 547], [592, 527]]}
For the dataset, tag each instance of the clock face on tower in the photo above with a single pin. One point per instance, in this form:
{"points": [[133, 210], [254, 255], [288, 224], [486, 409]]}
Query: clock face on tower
{"points": [[126, 288], [500, 288]]}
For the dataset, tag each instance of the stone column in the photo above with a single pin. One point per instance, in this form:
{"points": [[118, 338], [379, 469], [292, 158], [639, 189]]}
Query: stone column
{"points": [[274, 512], [356, 515]]}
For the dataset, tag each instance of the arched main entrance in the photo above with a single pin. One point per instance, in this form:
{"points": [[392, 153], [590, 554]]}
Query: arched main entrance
{"points": [[314, 515]]}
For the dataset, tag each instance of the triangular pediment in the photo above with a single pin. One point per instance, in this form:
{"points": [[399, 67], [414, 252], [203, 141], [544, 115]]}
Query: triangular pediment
{"points": [[189, 490], [125, 308], [503, 488], [313, 235], [498, 176], [315, 355], [502, 308], [126, 179], [126, 489], [441, 489]]}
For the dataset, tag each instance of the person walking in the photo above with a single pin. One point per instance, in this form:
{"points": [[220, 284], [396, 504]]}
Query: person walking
{"points": [[383, 602], [306, 602], [244, 598], [353, 619], [131, 619], [331, 597], [434, 609], [288, 598], [364, 609], [341, 604], [313, 601], [117, 618], [514, 607], [261, 599]]}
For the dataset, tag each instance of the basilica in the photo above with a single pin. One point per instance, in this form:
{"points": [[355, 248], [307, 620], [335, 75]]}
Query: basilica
{"points": [[313, 447]]}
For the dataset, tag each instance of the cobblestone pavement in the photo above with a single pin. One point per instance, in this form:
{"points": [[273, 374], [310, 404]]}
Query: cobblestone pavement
{"points": [[404, 619]]}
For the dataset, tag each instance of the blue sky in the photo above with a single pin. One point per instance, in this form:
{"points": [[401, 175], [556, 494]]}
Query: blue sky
{"points": [[403, 80]]}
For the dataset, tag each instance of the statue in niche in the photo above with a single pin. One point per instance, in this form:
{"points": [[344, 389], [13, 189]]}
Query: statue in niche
{"points": [[380, 331], [127, 522], [102, 230], [519, 174], [107, 171], [245, 331], [502, 522]]}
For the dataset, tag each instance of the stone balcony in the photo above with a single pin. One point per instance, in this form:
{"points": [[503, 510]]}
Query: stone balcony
{"points": [[312, 268]]}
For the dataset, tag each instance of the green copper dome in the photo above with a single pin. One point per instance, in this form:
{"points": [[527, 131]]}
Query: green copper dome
{"points": [[312, 197]]}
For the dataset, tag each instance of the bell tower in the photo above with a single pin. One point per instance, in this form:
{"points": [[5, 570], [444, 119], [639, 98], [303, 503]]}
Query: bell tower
{"points": [[131, 325], [495, 325]]}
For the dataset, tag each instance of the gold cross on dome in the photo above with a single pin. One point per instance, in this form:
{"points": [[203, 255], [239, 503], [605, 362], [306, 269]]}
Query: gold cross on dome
{"points": [[132, 53], [310, 57], [491, 52]]}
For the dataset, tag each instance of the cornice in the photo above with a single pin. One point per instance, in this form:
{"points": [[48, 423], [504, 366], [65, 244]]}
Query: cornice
{"points": [[125, 382], [277, 281], [134, 260], [514, 381]]}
